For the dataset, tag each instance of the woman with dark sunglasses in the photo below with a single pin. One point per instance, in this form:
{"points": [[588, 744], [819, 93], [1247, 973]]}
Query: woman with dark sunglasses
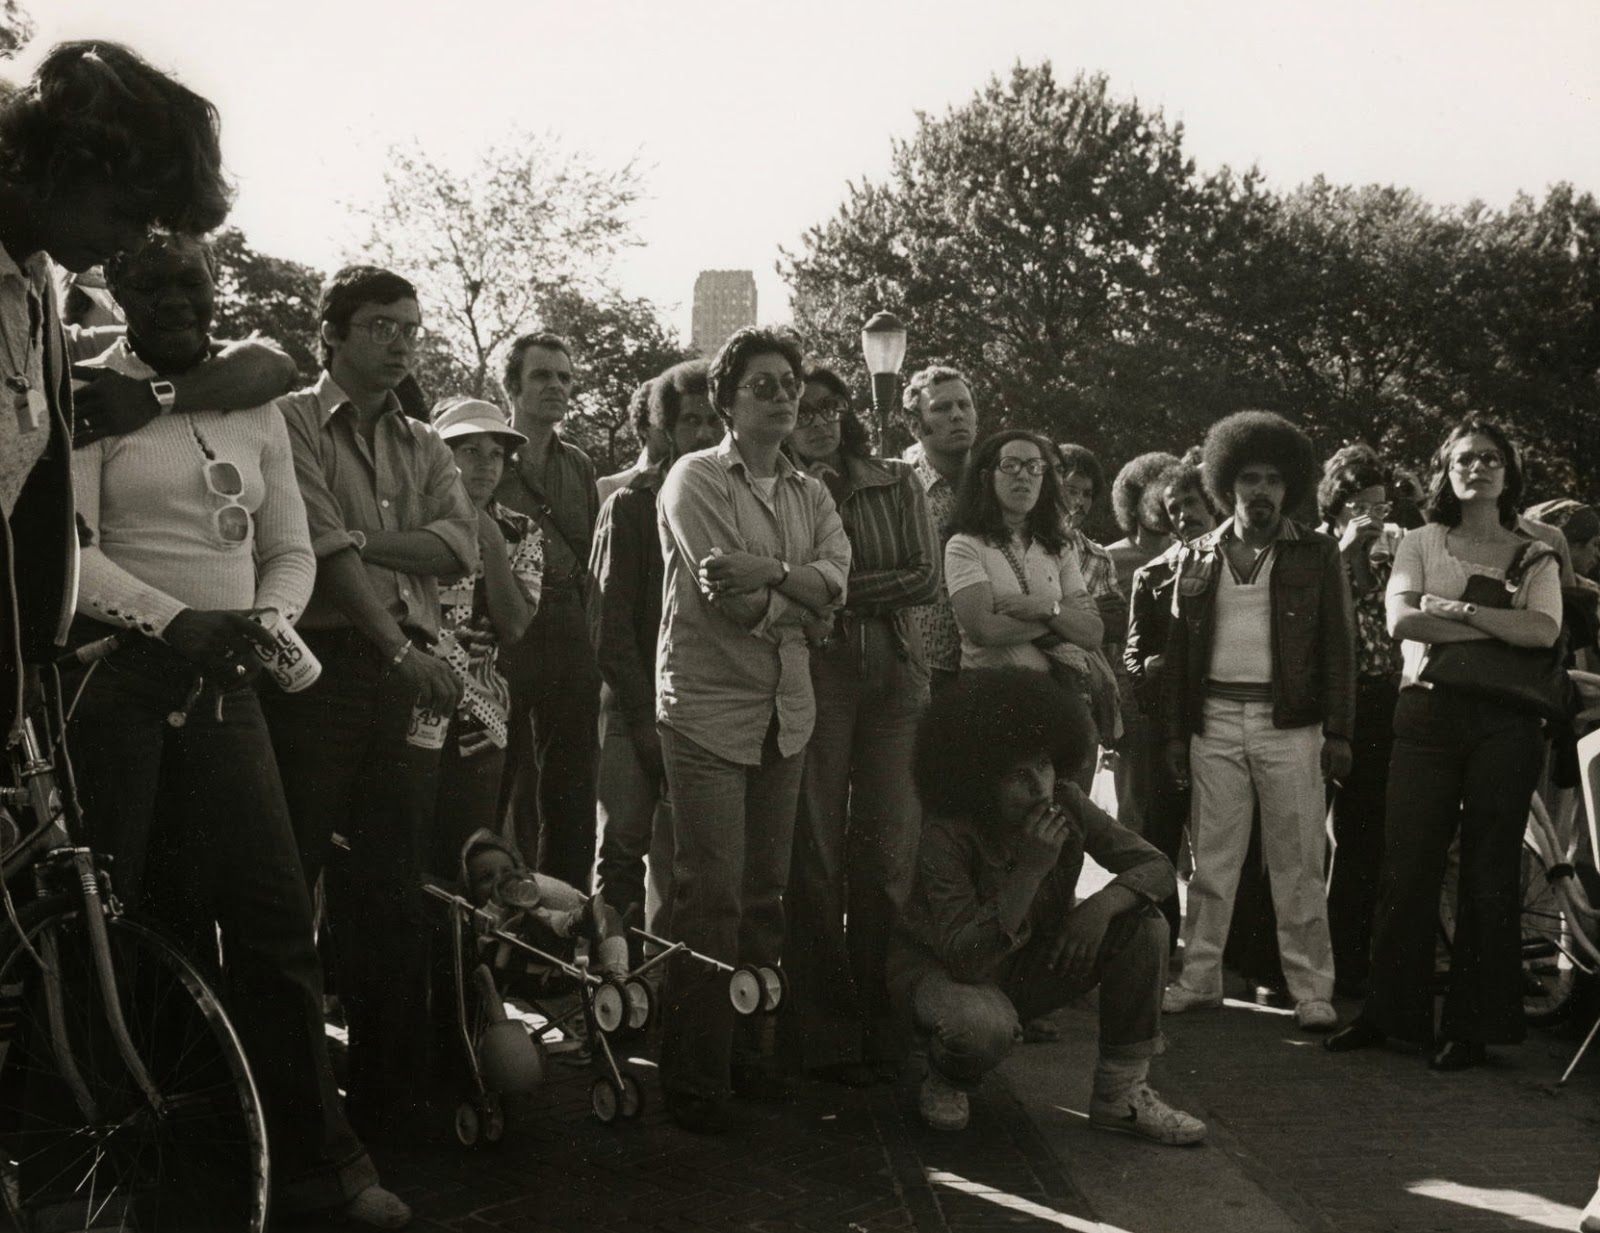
{"points": [[856, 830]]}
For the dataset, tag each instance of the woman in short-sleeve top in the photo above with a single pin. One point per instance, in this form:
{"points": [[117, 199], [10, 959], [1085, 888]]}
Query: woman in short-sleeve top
{"points": [[1462, 763]]}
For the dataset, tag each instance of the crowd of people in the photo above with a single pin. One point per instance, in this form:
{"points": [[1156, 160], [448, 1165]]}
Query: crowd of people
{"points": [[764, 693]]}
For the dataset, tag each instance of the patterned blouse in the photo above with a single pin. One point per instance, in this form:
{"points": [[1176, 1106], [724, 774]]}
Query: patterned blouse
{"points": [[487, 697], [1377, 654]]}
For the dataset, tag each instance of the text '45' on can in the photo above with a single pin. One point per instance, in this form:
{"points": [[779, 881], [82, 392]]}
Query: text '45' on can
{"points": [[290, 661]]}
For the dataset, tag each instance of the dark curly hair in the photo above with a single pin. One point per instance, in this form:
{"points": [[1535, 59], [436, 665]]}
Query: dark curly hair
{"points": [[1443, 505], [1180, 474], [639, 410], [1248, 438], [977, 510], [1349, 471], [96, 113], [668, 391], [743, 345], [1127, 490], [1080, 460], [990, 720]]}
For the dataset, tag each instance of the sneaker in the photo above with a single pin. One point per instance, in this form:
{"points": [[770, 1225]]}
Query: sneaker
{"points": [[1316, 1015], [942, 1106], [1141, 1112], [377, 1208], [1177, 998]]}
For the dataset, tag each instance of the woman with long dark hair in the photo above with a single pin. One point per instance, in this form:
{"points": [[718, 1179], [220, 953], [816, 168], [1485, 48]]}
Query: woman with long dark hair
{"points": [[1462, 762], [1018, 594], [855, 835]]}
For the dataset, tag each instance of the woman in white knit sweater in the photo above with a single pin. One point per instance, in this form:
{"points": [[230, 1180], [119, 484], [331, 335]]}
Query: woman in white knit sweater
{"points": [[196, 521]]}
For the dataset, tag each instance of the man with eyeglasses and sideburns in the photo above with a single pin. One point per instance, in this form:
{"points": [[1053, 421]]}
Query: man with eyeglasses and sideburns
{"points": [[553, 755], [388, 517], [756, 556], [197, 523]]}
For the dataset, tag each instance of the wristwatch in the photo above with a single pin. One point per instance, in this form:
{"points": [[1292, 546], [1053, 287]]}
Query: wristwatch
{"points": [[1469, 610], [359, 539], [165, 395], [1055, 609]]}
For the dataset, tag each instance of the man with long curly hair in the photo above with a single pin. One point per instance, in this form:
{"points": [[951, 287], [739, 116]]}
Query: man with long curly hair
{"points": [[1260, 693], [991, 935]]}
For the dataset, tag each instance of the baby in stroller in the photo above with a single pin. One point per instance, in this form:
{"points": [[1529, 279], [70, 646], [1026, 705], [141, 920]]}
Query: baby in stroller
{"points": [[546, 912]]}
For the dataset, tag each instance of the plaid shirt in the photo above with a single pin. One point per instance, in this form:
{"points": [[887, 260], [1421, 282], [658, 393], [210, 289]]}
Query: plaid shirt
{"points": [[1099, 572]]}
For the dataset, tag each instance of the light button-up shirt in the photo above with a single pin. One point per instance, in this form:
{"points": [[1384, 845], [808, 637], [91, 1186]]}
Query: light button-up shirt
{"points": [[720, 683], [406, 480]]}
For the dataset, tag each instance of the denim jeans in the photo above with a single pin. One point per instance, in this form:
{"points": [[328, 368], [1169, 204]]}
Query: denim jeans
{"points": [[1241, 758], [971, 1028], [195, 822], [1464, 765], [346, 768], [733, 831], [855, 847], [549, 783], [635, 827]]}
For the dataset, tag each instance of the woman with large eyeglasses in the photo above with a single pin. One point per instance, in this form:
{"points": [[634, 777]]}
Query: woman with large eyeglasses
{"points": [[855, 838], [1018, 594], [1461, 762], [1353, 499]]}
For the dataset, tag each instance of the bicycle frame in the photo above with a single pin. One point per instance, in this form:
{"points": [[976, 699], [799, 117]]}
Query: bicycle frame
{"points": [[48, 847]]}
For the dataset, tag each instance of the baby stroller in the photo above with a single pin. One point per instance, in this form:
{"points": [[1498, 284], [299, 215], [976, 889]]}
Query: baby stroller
{"points": [[523, 935]]}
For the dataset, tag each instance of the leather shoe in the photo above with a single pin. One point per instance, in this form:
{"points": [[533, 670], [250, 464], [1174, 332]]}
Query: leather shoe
{"points": [[1458, 1055], [1357, 1034]]}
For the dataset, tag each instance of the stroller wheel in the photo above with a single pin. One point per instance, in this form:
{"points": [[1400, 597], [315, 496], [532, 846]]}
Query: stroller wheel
{"points": [[774, 988], [605, 1099], [467, 1125], [610, 1006], [641, 1003], [493, 1118], [632, 1096], [744, 990]]}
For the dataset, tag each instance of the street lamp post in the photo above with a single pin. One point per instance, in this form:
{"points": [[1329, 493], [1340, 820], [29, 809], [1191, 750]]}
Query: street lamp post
{"points": [[883, 344]]}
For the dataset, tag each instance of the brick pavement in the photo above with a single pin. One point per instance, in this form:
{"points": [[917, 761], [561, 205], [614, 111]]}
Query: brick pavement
{"points": [[834, 1161], [1375, 1141]]}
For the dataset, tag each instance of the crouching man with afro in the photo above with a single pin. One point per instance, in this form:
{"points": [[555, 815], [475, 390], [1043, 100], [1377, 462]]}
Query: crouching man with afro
{"points": [[991, 938]]}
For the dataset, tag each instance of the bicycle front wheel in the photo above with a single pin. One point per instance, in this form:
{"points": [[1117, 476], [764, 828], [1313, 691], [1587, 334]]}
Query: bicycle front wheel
{"points": [[82, 1144], [1548, 970]]}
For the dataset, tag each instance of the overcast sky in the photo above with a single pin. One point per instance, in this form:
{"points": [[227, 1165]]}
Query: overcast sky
{"points": [[748, 118]]}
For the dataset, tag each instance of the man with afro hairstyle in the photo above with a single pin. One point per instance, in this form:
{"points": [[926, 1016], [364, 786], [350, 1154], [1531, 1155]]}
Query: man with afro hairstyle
{"points": [[1260, 703], [993, 935]]}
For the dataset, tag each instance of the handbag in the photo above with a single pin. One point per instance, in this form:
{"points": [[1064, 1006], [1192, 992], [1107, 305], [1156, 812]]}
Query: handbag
{"points": [[1531, 680]]}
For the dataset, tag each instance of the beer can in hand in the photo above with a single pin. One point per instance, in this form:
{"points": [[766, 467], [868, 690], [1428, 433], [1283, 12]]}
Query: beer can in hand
{"points": [[427, 728], [290, 661]]}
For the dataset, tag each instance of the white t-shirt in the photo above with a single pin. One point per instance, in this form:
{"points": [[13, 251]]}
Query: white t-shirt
{"points": [[970, 560], [1424, 564]]}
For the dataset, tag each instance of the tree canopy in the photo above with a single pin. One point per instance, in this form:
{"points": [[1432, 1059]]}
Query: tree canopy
{"points": [[1058, 244]]}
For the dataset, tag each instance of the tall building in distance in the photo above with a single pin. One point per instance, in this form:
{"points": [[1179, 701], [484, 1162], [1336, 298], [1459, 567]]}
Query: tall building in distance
{"points": [[724, 301]]}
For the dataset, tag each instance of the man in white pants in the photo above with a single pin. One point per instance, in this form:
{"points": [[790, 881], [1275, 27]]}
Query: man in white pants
{"points": [[1260, 705]]}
